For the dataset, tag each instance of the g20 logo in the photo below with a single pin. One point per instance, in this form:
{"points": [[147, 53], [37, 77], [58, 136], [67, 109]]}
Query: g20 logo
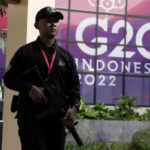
{"points": [[118, 50], [108, 5]]}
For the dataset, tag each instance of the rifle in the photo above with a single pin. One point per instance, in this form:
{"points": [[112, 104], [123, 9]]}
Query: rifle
{"points": [[57, 106]]}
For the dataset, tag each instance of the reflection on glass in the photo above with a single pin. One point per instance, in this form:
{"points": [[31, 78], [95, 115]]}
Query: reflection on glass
{"points": [[84, 57], [63, 44], [139, 88], [138, 63], [112, 6], [111, 29], [88, 5], [82, 27], [61, 3], [63, 26], [87, 87], [108, 87], [138, 7], [109, 59], [140, 29]]}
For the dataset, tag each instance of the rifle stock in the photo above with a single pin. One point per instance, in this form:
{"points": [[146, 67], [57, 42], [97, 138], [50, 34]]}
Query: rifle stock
{"points": [[75, 135]]}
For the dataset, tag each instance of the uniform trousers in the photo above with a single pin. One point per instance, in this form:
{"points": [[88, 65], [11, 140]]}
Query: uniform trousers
{"points": [[46, 134]]}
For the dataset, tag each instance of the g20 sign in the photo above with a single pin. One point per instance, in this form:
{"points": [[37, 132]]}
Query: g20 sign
{"points": [[114, 63], [118, 50], [100, 47]]}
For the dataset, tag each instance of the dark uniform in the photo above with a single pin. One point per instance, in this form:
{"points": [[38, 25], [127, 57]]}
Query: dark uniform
{"points": [[26, 68]]}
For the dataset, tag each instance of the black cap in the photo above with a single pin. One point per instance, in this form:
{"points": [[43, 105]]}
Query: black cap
{"points": [[47, 12]]}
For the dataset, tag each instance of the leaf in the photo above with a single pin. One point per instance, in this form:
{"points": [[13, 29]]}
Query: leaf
{"points": [[120, 101]]}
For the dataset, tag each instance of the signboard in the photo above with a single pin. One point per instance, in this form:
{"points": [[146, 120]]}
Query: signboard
{"points": [[106, 39], [3, 37]]}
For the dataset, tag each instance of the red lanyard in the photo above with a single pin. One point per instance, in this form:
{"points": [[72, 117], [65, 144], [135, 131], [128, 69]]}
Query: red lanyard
{"points": [[49, 65]]}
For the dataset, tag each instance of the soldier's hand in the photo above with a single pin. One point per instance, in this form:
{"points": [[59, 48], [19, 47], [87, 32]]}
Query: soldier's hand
{"points": [[37, 95], [70, 116]]}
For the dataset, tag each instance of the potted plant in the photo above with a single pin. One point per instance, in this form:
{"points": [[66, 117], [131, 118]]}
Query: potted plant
{"points": [[116, 124]]}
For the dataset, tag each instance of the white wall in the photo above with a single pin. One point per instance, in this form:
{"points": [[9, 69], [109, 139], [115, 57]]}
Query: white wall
{"points": [[33, 7]]}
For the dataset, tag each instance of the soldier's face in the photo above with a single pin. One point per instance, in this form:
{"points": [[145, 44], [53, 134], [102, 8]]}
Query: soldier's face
{"points": [[48, 27]]}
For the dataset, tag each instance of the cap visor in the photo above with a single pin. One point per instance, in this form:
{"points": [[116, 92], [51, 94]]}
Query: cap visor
{"points": [[60, 15]]}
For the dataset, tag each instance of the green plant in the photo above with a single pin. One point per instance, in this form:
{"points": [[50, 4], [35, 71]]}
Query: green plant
{"points": [[97, 144], [98, 111], [145, 116], [124, 110], [141, 140], [86, 111], [102, 111]]}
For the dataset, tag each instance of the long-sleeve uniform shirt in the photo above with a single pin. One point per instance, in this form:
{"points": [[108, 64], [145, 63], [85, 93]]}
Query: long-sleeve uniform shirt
{"points": [[28, 66]]}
